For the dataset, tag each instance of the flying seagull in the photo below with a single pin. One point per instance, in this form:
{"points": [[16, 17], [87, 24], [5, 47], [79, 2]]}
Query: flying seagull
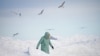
{"points": [[19, 14], [15, 34], [62, 5], [41, 12], [50, 29]]}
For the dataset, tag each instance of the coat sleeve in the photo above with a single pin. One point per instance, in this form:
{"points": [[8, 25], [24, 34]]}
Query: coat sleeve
{"points": [[50, 43], [39, 43]]}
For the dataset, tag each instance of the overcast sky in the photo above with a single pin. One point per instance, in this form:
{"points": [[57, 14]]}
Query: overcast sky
{"points": [[77, 17]]}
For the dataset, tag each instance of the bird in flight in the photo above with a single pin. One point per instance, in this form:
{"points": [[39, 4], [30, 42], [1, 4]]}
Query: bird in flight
{"points": [[41, 12], [62, 5], [50, 29], [19, 14], [15, 34]]}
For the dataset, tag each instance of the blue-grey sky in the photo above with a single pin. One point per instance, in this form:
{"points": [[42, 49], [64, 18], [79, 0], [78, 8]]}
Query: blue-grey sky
{"points": [[77, 17]]}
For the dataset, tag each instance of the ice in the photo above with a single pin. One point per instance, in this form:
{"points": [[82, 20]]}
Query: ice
{"points": [[78, 45]]}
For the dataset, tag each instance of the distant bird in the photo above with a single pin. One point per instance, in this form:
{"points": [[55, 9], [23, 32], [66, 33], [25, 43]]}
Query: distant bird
{"points": [[50, 29], [41, 12], [62, 5], [20, 14], [16, 13], [15, 34]]}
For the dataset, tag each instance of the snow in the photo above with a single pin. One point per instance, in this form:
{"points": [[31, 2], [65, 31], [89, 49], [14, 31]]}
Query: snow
{"points": [[78, 45]]}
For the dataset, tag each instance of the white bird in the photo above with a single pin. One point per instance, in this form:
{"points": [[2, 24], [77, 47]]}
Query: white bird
{"points": [[62, 5], [41, 12], [15, 34]]}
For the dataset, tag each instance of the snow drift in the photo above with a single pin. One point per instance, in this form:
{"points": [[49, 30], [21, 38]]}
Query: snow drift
{"points": [[78, 45]]}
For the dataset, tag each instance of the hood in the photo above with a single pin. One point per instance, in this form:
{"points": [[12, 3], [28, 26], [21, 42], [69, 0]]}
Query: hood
{"points": [[47, 35]]}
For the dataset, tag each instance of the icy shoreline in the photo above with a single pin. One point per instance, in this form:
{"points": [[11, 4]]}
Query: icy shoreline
{"points": [[74, 46]]}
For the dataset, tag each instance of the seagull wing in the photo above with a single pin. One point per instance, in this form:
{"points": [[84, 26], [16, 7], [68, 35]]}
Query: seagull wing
{"points": [[41, 12], [61, 5], [15, 34]]}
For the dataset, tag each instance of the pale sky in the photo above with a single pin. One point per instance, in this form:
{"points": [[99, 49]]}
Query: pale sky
{"points": [[77, 17]]}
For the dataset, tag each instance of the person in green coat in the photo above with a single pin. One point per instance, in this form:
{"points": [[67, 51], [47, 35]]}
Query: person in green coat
{"points": [[45, 42]]}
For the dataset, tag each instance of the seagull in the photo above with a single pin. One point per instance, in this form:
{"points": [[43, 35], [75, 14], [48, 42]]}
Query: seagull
{"points": [[16, 13], [20, 14], [15, 34], [62, 5], [50, 29], [41, 12]]}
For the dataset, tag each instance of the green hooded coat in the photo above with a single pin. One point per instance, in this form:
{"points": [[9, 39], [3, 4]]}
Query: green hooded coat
{"points": [[45, 42]]}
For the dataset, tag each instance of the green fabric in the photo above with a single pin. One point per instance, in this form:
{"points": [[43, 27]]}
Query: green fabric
{"points": [[45, 42]]}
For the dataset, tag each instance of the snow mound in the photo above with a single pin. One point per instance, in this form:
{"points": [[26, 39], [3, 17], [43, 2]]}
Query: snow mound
{"points": [[78, 45]]}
